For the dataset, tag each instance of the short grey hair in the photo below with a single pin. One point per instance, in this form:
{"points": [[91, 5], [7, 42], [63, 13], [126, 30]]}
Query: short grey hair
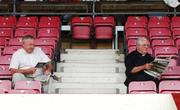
{"points": [[27, 37], [141, 40]]}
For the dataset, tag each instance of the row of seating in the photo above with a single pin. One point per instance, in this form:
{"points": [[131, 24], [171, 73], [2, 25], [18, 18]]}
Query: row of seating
{"points": [[149, 87], [20, 87], [82, 27]]}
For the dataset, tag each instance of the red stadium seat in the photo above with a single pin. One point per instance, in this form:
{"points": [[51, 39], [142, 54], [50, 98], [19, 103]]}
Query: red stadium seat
{"points": [[156, 25], [11, 19], [136, 33], [160, 34], [163, 42], [28, 85], [45, 42], [167, 52], [5, 60], [49, 22], [50, 19], [159, 19], [169, 86], [49, 33], [143, 87], [47, 50], [2, 91], [24, 32], [15, 42], [22, 92], [5, 85], [176, 34], [28, 19], [137, 19], [3, 43], [81, 27], [130, 49], [104, 23], [171, 72], [175, 19], [135, 25], [4, 71], [27, 25], [6, 25], [10, 50], [6, 33], [178, 43], [175, 26]]}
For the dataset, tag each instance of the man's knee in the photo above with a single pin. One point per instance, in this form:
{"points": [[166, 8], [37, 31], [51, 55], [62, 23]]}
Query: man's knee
{"points": [[18, 77]]}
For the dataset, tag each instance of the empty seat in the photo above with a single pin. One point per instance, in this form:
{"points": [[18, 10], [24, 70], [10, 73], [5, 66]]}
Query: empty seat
{"points": [[142, 87], [15, 42], [159, 19], [176, 34], [136, 34], [45, 42], [104, 27], [22, 92], [6, 33], [81, 27], [28, 85], [167, 52], [137, 19], [6, 25], [10, 50], [49, 22], [2, 91], [24, 32], [3, 43], [47, 50], [28, 19], [4, 71], [50, 19], [135, 25], [175, 19], [11, 19], [5, 60], [178, 43], [48, 33], [160, 34], [158, 24], [169, 86], [175, 25], [133, 48], [28, 25], [162, 42], [171, 72], [5, 85]]}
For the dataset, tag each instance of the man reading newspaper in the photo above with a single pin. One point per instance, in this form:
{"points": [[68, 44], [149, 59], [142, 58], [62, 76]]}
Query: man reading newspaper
{"points": [[24, 61], [138, 61]]}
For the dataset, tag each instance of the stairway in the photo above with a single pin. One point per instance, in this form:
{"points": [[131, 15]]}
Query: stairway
{"points": [[89, 71]]}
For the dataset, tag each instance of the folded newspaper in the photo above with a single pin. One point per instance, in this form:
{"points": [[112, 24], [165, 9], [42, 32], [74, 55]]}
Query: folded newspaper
{"points": [[159, 65]]}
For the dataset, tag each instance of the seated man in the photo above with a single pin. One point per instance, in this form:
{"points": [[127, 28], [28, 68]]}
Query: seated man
{"points": [[138, 61], [24, 60]]}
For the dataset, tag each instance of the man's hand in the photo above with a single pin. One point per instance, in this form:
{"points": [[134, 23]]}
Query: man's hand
{"points": [[47, 72], [31, 70], [148, 66]]}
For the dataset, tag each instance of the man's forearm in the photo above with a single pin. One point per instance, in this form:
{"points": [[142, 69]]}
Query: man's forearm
{"points": [[137, 69], [23, 71]]}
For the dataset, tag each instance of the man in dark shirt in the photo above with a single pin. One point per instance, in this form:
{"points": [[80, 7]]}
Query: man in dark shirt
{"points": [[138, 61]]}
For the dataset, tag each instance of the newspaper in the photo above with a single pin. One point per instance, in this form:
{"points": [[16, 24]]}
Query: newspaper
{"points": [[159, 65], [40, 76]]}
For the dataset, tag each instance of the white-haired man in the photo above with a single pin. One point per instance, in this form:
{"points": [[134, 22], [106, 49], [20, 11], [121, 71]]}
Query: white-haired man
{"points": [[138, 61], [24, 60]]}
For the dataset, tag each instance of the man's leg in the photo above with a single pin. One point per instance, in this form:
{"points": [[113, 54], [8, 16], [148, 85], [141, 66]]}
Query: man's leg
{"points": [[20, 77]]}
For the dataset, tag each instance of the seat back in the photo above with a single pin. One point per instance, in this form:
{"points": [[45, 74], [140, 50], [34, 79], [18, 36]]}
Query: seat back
{"points": [[169, 86]]}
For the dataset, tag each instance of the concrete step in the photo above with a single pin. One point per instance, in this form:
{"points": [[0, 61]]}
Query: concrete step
{"points": [[119, 66], [91, 70], [92, 51], [91, 77], [84, 57], [90, 61], [86, 88]]}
